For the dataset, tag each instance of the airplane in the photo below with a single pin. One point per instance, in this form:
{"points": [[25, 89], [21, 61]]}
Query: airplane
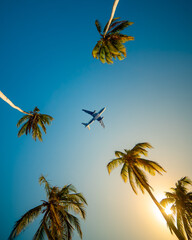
{"points": [[96, 116]]}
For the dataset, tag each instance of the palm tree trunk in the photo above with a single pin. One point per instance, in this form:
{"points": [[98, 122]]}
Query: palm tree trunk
{"points": [[170, 223], [112, 14], [11, 104]]}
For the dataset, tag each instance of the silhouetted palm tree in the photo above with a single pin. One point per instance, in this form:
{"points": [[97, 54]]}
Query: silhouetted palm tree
{"points": [[31, 122], [181, 200], [133, 163], [57, 222], [111, 43]]}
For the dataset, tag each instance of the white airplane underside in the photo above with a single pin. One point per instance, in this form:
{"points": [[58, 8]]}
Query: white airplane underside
{"points": [[96, 116]]}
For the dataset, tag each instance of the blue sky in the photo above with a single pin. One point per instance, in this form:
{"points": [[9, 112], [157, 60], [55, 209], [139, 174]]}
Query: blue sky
{"points": [[46, 61]]}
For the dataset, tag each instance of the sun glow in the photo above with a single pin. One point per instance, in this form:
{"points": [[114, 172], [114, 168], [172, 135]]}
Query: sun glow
{"points": [[168, 210], [158, 214]]}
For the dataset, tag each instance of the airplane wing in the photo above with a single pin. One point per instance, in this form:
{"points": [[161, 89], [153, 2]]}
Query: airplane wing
{"points": [[89, 112], [102, 123], [100, 119], [91, 121]]}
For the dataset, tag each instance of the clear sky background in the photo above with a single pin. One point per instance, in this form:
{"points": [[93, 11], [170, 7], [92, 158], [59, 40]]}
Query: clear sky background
{"points": [[46, 61]]}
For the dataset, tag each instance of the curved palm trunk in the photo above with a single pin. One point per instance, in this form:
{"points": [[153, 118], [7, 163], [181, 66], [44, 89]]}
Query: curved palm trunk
{"points": [[11, 104], [112, 14], [170, 223]]}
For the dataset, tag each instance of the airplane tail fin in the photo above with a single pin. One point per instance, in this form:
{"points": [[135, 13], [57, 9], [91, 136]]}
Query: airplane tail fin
{"points": [[86, 125]]}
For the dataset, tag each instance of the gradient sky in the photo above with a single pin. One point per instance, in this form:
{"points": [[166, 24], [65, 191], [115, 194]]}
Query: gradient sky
{"points": [[46, 61]]}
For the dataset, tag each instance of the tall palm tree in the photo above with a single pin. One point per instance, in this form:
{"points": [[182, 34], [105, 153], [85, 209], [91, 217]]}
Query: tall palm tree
{"points": [[31, 122], [57, 221], [133, 165], [111, 43], [181, 200]]}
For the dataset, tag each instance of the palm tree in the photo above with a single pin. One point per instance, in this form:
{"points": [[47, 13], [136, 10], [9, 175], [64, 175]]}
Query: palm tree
{"points": [[133, 165], [31, 122], [111, 43], [57, 221], [181, 200]]}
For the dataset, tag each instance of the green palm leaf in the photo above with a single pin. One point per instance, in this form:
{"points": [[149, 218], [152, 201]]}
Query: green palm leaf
{"points": [[111, 44], [121, 26], [39, 235], [181, 206], [57, 223], [131, 179], [27, 218], [113, 20], [42, 180], [98, 26], [32, 122], [124, 172], [23, 130], [74, 221], [23, 119], [114, 164], [96, 49], [166, 201], [150, 166], [102, 54]]}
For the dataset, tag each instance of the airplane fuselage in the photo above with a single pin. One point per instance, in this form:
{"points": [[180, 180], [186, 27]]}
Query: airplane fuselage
{"points": [[97, 115]]}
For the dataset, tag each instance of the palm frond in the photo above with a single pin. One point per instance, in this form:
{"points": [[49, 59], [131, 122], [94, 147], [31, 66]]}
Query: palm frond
{"points": [[68, 230], [114, 164], [23, 119], [185, 181], [141, 177], [74, 221], [43, 180], [108, 55], [114, 24], [131, 179], [119, 154], [22, 223], [121, 27], [23, 130], [124, 172], [36, 133], [140, 148], [150, 166], [113, 20], [77, 208], [98, 26], [96, 49], [41, 123], [77, 197], [166, 201], [39, 235], [47, 119], [187, 226], [102, 54], [139, 185]]}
